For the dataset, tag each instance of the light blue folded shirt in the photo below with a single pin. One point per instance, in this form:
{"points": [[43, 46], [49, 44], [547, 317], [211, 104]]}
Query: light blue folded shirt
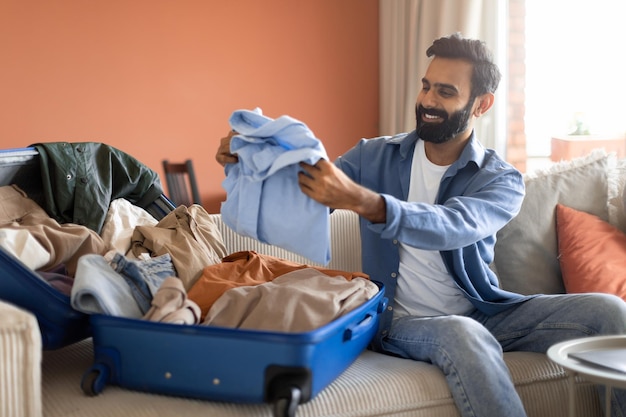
{"points": [[98, 289], [264, 200]]}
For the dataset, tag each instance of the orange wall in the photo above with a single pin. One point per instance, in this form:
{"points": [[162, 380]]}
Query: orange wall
{"points": [[159, 78]]}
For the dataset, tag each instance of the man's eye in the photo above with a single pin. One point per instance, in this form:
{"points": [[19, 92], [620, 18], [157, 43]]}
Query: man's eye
{"points": [[445, 93]]}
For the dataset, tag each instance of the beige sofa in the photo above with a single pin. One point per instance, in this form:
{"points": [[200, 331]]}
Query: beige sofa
{"points": [[375, 385]]}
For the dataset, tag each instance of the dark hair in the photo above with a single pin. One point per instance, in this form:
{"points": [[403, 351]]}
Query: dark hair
{"points": [[486, 75]]}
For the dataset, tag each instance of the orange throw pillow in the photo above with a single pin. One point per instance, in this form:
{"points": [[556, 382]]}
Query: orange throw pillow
{"points": [[592, 253]]}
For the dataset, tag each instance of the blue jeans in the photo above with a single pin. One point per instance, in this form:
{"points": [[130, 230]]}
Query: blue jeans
{"points": [[144, 277], [469, 349]]}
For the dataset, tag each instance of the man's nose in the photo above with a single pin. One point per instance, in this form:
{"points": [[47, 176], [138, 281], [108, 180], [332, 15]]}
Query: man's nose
{"points": [[428, 99]]}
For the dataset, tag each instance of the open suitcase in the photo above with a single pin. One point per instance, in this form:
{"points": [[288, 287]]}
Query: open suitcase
{"points": [[59, 323], [213, 363], [227, 364]]}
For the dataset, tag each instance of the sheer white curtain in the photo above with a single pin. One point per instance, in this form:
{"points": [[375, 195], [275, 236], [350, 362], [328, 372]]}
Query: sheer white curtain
{"points": [[407, 29]]}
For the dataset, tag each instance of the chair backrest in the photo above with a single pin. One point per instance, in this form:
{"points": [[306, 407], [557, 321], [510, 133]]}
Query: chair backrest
{"points": [[181, 183]]}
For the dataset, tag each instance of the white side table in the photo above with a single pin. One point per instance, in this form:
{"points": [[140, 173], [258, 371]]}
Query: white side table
{"points": [[559, 354]]}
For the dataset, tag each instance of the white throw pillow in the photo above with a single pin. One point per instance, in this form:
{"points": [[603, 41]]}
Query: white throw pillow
{"points": [[526, 254], [617, 196]]}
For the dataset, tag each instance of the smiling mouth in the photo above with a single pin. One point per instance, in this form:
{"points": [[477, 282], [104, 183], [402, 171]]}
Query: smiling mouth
{"points": [[430, 118], [431, 115]]}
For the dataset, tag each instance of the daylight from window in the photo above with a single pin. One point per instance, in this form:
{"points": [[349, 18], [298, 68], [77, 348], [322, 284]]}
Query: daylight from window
{"points": [[575, 70]]}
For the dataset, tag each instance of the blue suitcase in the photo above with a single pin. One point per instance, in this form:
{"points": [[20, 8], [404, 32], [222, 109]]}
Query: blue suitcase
{"points": [[227, 364], [59, 323]]}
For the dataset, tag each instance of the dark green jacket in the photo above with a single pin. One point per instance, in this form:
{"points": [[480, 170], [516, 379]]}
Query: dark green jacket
{"points": [[81, 179]]}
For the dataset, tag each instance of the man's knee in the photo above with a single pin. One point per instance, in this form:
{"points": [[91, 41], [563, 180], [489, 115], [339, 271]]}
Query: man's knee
{"points": [[610, 311]]}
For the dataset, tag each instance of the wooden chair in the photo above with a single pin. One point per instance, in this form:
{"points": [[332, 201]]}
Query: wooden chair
{"points": [[181, 183]]}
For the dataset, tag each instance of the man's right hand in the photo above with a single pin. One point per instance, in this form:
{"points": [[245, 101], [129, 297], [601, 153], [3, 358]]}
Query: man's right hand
{"points": [[328, 185], [223, 155]]}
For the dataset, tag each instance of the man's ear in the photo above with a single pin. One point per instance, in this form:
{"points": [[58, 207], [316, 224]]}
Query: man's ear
{"points": [[483, 104]]}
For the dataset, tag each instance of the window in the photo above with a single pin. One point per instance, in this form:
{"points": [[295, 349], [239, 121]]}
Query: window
{"points": [[575, 69]]}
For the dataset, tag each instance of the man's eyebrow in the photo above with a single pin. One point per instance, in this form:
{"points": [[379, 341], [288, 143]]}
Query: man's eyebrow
{"points": [[447, 86], [441, 85]]}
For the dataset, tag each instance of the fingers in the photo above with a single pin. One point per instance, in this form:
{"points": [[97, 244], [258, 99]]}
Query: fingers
{"points": [[224, 159], [223, 155], [316, 181], [320, 166], [305, 177], [311, 173], [308, 168]]}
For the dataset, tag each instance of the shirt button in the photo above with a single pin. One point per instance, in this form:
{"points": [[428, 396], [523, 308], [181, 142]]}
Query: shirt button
{"points": [[389, 308], [68, 176], [395, 241], [83, 180], [393, 275]]}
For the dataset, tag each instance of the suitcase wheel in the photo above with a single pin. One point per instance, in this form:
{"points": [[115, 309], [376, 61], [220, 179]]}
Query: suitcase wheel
{"points": [[286, 407], [286, 387], [94, 380]]}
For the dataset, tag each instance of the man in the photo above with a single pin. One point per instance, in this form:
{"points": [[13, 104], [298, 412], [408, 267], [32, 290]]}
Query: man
{"points": [[430, 204]]}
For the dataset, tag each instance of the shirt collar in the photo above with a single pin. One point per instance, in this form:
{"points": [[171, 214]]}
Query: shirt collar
{"points": [[473, 151]]}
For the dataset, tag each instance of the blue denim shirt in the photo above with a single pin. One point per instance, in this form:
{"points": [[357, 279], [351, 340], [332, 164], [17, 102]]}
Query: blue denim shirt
{"points": [[478, 195]]}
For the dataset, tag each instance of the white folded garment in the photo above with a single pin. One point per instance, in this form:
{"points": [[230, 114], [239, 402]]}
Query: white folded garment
{"points": [[21, 244], [119, 224]]}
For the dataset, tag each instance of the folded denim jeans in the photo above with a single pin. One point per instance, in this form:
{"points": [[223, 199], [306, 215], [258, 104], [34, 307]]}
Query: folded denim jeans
{"points": [[144, 277]]}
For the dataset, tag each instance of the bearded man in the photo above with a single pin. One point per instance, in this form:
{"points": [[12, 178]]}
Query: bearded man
{"points": [[430, 204]]}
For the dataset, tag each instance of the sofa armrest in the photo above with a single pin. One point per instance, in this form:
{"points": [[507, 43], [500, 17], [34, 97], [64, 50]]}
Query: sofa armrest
{"points": [[20, 363], [345, 240]]}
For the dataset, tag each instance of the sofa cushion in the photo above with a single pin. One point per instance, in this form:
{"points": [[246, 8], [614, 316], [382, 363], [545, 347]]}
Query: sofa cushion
{"points": [[617, 196], [375, 385], [20, 363], [592, 253], [526, 250]]}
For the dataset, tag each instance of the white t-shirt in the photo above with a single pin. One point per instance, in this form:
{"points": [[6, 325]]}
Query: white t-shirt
{"points": [[425, 288]]}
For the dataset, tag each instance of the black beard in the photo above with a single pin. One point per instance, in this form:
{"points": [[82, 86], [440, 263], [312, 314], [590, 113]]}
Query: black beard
{"points": [[442, 132]]}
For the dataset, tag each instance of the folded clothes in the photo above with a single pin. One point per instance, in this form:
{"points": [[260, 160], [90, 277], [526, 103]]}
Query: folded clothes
{"points": [[170, 304], [120, 222], [299, 301], [65, 243], [124, 287], [189, 235], [247, 268], [99, 289], [23, 245], [144, 277]]}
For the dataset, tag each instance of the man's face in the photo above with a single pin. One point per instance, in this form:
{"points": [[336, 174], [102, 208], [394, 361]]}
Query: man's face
{"points": [[445, 104], [450, 126]]}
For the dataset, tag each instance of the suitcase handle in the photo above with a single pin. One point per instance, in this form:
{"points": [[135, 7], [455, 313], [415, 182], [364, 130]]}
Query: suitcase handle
{"points": [[355, 331]]}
